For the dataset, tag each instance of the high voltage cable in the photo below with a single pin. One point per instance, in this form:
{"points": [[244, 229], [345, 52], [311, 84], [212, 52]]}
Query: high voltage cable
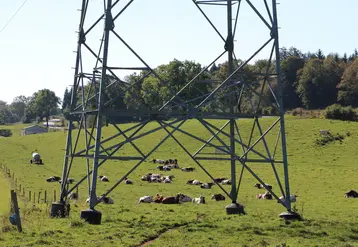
{"points": [[17, 11]]}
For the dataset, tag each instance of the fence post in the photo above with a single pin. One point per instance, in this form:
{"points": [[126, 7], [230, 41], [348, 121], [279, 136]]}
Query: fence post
{"points": [[45, 197], [29, 195], [38, 198], [16, 209], [34, 197], [54, 195]]}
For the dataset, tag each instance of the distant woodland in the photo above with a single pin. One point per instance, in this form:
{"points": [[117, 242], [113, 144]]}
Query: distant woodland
{"points": [[309, 81]]}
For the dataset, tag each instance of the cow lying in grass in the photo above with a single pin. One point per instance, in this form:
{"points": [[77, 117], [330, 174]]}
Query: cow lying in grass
{"points": [[145, 199], [260, 186], [179, 198], [188, 169], [199, 200], [69, 181], [53, 179], [218, 197], [103, 178], [73, 196], [266, 196], [157, 178], [206, 185], [105, 200], [292, 198], [351, 194]]}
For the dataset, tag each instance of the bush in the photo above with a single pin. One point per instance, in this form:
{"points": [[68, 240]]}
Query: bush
{"points": [[270, 110], [339, 112], [324, 140], [5, 132], [92, 121], [297, 111]]}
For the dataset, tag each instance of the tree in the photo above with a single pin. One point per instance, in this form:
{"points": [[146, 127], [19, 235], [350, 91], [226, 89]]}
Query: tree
{"points": [[213, 68], [345, 59], [317, 83], [289, 69], [43, 103], [320, 54], [6, 114], [244, 76], [3, 104], [66, 101], [133, 96], [18, 105], [292, 51], [175, 76], [348, 86]]}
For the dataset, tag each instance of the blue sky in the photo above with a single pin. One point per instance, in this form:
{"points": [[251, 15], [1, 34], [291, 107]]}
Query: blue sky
{"points": [[36, 48]]}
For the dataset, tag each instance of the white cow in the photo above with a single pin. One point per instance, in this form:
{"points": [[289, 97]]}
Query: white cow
{"points": [[292, 198], [145, 199], [199, 200]]}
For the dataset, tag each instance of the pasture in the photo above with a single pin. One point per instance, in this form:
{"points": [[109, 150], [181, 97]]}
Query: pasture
{"points": [[319, 175], [5, 195]]}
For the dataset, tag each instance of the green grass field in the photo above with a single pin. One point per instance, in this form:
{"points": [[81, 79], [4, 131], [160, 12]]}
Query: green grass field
{"points": [[320, 175], [5, 195], [15, 128]]}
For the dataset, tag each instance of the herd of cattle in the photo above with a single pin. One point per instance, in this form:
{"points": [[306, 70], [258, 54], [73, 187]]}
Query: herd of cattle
{"points": [[168, 165]]}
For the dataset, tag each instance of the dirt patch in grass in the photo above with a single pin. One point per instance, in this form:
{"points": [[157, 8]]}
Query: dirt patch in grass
{"points": [[151, 239]]}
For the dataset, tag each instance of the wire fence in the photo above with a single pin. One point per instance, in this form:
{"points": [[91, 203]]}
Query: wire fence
{"points": [[35, 197]]}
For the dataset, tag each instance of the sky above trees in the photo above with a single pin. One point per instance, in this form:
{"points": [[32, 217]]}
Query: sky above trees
{"points": [[37, 46]]}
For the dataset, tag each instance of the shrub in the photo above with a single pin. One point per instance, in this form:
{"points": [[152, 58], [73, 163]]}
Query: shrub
{"points": [[92, 121], [270, 110], [5, 132], [297, 111], [339, 112], [324, 140]]}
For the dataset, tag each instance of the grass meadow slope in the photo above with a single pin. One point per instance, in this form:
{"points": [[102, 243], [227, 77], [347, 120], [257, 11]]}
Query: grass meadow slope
{"points": [[320, 175], [5, 195]]}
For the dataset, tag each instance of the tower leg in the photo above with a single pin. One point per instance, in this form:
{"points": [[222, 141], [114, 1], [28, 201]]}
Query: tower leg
{"points": [[60, 209], [91, 216], [289, 214], [234, 207]]}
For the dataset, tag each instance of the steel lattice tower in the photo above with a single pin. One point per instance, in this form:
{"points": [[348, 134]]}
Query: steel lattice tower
{"points": [[180, 107]]}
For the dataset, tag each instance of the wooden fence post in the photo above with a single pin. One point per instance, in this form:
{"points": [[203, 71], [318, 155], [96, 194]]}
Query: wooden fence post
{"points": [[16, 210], [34, 197], [45, 197], [29, 195], [38, 198], [54, 195]]}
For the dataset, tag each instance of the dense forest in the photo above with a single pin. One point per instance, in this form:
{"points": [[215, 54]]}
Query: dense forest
{"points": [[309, 81]]}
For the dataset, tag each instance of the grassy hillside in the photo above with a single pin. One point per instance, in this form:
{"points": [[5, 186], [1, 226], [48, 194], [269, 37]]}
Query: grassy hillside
{"points": [[15, 128], [5, 195], [320, 175]]}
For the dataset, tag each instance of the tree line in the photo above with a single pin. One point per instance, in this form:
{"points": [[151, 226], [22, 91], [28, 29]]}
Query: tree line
{"points": [[42, 104], [309, 81]]}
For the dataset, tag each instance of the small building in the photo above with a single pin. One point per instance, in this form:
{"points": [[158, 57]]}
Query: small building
{"points": [[34, 129]]}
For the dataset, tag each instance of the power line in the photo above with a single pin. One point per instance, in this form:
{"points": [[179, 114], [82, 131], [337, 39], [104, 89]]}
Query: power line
{"points": [[17, 11]]}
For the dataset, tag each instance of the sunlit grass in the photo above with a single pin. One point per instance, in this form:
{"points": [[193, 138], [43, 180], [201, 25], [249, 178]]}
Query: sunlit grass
{"points": [[320, 175]]}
